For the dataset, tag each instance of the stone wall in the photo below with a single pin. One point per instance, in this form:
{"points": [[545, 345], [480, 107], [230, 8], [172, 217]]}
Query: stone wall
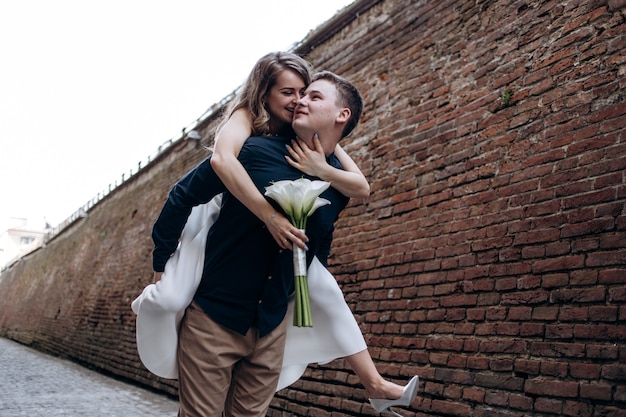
{"points": [[490, 258]]}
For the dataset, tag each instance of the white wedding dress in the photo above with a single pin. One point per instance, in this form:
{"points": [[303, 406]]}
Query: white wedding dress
{"points": [[161, 306]]}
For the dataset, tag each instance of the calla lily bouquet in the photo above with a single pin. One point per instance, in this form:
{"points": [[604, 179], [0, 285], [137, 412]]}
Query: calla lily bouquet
{"points": [[299, 199]]}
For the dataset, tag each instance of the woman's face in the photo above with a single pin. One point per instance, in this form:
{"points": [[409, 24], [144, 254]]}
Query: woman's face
{"points": [[281, 99]]}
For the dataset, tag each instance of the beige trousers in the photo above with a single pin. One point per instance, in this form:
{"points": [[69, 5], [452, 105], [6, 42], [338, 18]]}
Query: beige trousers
{"points": [[222, 372]]}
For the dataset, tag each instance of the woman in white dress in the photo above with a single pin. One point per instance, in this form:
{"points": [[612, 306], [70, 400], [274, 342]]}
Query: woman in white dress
{"points": [[336, 334]]}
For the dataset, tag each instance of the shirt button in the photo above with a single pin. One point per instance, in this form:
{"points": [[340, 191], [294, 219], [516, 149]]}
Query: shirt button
{"points": [[260, 301], [269, 277]]}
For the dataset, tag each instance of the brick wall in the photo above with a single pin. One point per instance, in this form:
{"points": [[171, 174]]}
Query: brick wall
{"points": [[72, 298], [490, 258]]}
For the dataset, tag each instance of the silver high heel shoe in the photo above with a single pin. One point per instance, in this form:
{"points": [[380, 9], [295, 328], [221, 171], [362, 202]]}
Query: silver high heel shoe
{"points": [[408, 395]]}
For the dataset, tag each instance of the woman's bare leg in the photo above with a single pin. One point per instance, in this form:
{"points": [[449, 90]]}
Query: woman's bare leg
{"points": [[375, 385]]}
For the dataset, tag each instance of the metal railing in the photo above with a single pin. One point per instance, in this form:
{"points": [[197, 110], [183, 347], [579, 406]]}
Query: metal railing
{"points": [[186, 132]]}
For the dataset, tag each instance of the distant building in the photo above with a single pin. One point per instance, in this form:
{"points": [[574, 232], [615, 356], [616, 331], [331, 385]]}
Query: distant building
{"points": [[19, 239]]}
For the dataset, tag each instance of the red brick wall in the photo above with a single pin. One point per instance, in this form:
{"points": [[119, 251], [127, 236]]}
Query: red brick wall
{"points": [[490, 258], [72, 298]]}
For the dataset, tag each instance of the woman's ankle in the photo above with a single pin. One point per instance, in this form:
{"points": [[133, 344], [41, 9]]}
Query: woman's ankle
{"points": [[384, 389]]}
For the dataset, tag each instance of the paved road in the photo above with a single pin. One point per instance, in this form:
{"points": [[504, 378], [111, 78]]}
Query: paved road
{"points": [[33, 384]]}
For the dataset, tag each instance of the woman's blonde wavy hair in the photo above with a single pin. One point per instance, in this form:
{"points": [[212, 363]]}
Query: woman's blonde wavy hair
{"points": [[261, 79]]}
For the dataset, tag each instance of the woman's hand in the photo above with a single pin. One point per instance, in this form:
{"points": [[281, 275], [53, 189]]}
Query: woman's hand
{"points": [[310, 161], [284, 233], [349, 181]]}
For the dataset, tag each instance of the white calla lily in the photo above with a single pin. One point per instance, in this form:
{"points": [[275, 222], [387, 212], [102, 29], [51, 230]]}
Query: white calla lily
{"points": [[299, 199]]}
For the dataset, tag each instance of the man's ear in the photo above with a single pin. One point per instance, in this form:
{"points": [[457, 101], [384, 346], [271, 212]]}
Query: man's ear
{"points": [[344, 115]]}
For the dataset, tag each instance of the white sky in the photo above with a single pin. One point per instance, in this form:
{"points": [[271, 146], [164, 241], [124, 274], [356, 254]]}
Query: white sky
{"points": [[90, 88]]}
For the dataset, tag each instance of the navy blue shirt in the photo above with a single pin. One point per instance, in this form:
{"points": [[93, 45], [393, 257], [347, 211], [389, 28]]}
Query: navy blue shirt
{"points": [[246, 279]]}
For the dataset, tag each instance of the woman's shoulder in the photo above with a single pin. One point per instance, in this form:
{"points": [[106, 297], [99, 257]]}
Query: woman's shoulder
{"points": [[242, 115]]}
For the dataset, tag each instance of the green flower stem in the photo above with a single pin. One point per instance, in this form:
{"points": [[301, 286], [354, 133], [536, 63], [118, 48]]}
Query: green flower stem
{"points": [[302, 316], [297, 319], [297, 312], [307, 300]]}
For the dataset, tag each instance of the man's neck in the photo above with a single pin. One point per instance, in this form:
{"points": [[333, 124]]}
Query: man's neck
{"points": [[328, 140]]}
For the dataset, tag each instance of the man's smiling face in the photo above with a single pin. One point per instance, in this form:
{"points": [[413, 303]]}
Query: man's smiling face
{"points": [[317, 110]]}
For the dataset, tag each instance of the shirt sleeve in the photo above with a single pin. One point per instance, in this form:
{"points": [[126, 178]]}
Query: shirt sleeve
{"points": [[341, 202], [324, 249], [197, 187]]}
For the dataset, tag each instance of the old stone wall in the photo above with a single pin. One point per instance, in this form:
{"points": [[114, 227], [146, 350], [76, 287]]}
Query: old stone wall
{"points": [[490, 258]]}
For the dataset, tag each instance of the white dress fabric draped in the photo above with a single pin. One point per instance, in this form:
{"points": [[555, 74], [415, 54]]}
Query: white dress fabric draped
{"points": [[161, 306]]}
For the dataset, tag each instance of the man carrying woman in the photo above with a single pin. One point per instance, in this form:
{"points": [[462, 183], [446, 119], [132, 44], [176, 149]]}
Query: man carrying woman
{"points": [[265, 106]]}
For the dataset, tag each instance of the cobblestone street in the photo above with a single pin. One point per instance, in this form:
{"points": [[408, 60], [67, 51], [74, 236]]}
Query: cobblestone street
{"points": [[33, 384]]}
